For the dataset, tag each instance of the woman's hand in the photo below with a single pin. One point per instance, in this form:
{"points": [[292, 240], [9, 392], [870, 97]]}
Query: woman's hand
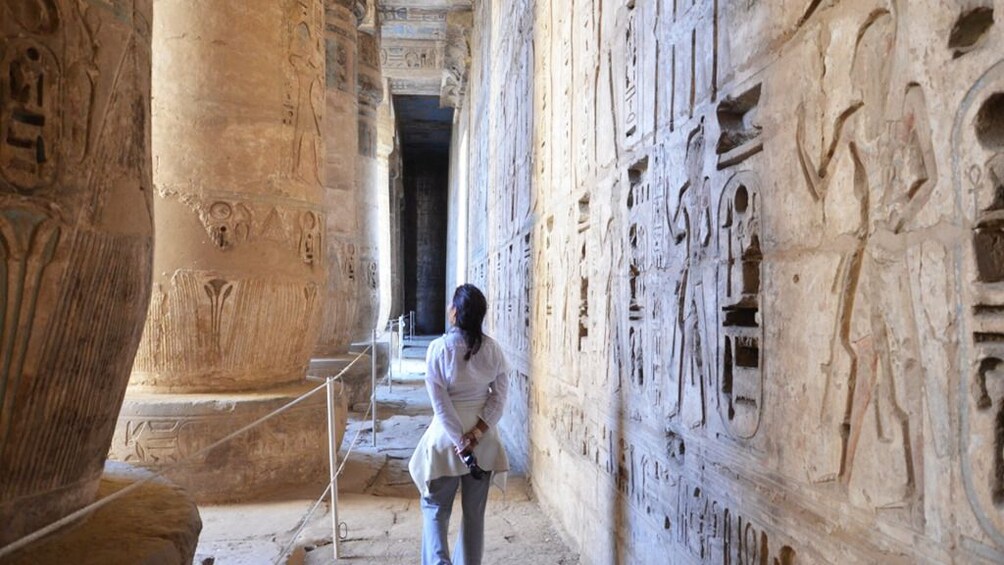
{"points": [[469, 441]]}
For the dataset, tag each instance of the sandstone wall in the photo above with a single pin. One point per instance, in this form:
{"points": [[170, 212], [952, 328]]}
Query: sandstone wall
{"points": [[745, 258]]}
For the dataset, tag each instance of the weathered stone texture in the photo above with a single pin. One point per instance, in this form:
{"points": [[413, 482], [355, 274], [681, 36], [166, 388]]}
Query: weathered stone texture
{"points": [[340, 194], [745, 258], [155, 524], [289, 449], [368, 189], [75, 244], [238, 105]]}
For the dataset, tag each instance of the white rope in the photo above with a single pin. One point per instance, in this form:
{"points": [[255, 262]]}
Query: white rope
{"points": [[301, 526]]}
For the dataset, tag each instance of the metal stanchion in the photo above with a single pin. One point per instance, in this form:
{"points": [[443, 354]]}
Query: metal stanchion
{"points": [[373, 354], [333, 463], [400, 344]]}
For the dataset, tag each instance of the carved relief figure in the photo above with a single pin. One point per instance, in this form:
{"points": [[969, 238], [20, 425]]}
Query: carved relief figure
{"points": [[869, 399], [691, 228], [305, 57]]}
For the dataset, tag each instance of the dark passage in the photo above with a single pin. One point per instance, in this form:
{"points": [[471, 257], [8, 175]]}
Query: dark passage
{"points": [[425, 149]]}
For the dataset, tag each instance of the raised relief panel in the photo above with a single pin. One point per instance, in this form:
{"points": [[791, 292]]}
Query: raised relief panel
{"points": [[305, 89], [740, 329], [978, 164], [870, 431]]}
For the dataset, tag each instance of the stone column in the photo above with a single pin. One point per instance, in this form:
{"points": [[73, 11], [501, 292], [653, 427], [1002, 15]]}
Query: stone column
{"points": [[396, 243], [340, 200], [239, 265], [370, 89], [386, 138], [75, 244]]}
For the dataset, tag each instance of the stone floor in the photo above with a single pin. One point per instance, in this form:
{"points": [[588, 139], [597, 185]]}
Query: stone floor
{"points": [[378, 504]]}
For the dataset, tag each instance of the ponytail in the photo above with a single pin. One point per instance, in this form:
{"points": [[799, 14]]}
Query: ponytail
{"points": [[470, 306]]}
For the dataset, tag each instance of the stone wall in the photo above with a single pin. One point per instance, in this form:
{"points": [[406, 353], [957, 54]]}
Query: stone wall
{"points": [[425, 189], [745, 258]]}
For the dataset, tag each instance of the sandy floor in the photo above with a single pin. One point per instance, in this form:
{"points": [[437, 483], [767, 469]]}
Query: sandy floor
{"points": [[378, 504]]}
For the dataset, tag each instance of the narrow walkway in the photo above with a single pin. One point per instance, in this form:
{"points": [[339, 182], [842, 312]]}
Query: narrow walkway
{"points": [[378, 502]]}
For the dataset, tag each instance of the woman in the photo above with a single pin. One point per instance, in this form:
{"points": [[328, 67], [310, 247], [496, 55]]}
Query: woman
{"points": [[467, 383]]}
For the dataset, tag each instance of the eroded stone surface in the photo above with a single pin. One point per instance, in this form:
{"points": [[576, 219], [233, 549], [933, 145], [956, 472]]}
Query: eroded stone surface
{"points": [[157, 430], [240, 262], [75, 244], [156, 524], [745, 259], [341, 199]]}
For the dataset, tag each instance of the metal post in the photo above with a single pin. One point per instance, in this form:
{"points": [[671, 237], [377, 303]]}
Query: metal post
{"points": [[401, 344], [373, 354], [411, 324], [333, 463]]}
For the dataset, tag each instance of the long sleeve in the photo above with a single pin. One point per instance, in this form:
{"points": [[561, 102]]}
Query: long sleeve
{"points": [[497, 395], [442, 406]]}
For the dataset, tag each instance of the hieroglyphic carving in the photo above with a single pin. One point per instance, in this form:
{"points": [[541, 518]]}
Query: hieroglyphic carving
{"points": [[632, 80], [740, 131], [232, 223], [740, 328], [712, 531], [410, 56], [75, 244], [457, 58], [30, 91], [871, 356], [339, 47], [978, 164]]}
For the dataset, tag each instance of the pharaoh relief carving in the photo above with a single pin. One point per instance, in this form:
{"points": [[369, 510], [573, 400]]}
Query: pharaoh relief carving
{"points": [[691, 232], [306, 99], [978, 168], [869, 405]]}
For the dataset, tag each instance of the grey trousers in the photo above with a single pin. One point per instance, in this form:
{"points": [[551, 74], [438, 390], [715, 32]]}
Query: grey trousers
{"points": [[436, 510]]}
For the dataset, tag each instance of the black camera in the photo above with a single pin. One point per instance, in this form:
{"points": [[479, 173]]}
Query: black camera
{"points": [[472, 463]]}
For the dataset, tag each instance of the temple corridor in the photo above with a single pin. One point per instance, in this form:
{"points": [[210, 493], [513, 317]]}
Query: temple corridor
{"points": [[744, 258]]}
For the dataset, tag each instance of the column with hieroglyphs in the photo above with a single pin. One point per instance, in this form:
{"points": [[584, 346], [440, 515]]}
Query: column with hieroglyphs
{"points": [[76, 239], [369, 188], [240, 263]]}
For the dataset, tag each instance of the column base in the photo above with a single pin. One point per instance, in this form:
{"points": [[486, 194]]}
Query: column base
{"points": [[156, 430], [357, 380], [156, 524]]}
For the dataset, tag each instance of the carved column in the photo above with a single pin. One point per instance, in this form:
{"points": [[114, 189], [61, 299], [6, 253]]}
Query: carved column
{"points": [[238, 90], [386, 138], [75, 244], [340, 199], [370, 89]]}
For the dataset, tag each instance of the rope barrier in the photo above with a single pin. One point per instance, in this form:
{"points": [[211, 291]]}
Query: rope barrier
{"points": [[301, 526], [74, 516]]}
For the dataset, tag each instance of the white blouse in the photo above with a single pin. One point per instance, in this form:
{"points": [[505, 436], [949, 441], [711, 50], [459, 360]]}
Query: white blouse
{"points": [[449, 378]]}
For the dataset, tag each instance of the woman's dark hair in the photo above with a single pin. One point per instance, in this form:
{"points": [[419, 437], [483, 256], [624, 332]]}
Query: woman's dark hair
{"points": [[470, 306]]}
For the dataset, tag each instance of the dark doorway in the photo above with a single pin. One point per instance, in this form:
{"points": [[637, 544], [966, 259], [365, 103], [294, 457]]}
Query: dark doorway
{"points": [[425, 130]]}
